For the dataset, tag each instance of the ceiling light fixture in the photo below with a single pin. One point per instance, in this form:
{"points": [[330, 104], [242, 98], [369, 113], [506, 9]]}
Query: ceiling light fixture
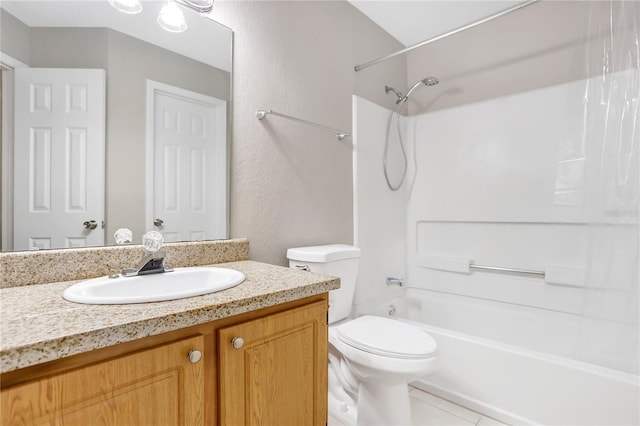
{"points": [[202, 6], [127, 6], [171, 18]]}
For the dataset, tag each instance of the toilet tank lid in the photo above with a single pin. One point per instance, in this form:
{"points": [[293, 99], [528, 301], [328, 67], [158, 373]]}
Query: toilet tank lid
{"points": [[325, 253]]}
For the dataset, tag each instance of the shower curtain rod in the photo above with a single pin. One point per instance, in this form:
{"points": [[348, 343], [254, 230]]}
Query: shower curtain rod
{"points": [[262, 113], [441, 36]]}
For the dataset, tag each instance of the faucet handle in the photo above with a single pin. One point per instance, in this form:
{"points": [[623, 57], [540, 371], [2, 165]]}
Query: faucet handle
{"points": [[152, 241], [123, 236]]}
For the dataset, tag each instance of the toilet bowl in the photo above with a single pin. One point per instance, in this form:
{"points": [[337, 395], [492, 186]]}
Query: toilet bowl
{"points": [[383, 355], [371, 359]]}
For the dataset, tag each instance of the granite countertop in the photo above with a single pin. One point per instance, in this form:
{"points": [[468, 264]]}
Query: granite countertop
{"points": [[38, 325]]}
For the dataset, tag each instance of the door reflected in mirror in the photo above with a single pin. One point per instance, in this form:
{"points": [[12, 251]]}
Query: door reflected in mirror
{"points": [[162, 125]]}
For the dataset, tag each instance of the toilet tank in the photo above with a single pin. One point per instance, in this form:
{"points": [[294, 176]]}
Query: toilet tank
{"points": [[338, 260]]}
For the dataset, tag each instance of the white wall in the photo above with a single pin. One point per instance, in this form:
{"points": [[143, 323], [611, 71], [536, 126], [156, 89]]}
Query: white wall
{"points": [[503, 190], [380, 214], [492, 187]]}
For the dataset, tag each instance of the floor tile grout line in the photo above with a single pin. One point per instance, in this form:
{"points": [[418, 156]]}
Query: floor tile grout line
{"points": [[480, 415]]}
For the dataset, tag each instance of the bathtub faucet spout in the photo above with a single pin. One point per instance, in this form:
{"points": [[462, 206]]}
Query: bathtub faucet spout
{"points": [[395, 281]]}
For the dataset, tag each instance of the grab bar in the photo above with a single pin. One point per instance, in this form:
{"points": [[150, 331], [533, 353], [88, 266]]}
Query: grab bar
{"points": [[567, 276], [262, 113], [465, 265], [513, 270]]}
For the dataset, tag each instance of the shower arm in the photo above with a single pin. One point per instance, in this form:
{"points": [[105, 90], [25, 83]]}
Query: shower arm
{"points": [[399, 95]]}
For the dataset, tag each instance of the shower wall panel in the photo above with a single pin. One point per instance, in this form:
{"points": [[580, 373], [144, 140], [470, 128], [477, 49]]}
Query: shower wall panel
{"points": [[535, 181], [379, 214]]}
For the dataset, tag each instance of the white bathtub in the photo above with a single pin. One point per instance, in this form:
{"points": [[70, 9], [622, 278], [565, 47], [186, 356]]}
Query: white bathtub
{"points": [[517, 385]]}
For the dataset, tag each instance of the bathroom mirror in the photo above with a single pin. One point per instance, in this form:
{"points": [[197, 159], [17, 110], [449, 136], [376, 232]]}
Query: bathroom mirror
{"points": [[164, 99]]}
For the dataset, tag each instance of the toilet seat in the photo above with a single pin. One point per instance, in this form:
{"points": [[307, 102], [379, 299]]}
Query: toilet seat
{"points": [[386, 337]]}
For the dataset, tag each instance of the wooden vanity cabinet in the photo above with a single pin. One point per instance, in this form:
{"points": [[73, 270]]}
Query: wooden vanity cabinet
{"points": [[152, 387], [273, 370], [277, 376]]}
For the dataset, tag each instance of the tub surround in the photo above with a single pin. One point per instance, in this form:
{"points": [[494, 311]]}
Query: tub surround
{"points": [[39, 326], [34, 267]]}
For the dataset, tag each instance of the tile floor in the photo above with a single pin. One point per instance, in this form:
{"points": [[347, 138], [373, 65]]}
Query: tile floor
{"points": [[429, 410]]}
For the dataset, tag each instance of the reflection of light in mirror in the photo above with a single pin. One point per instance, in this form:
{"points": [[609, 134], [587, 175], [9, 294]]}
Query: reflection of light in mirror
{"points": [[171, 18], [99, 14], [131, 7], [200, 6], [123, 236]]}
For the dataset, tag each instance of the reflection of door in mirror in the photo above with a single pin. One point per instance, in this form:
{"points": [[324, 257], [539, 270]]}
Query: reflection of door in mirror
{"points": [[131, 49], [186, 159], [59, 134]]}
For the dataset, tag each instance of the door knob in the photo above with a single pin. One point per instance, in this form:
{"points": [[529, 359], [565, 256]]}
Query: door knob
{"points": [[158, 222], [90, 224], [237, 342]]}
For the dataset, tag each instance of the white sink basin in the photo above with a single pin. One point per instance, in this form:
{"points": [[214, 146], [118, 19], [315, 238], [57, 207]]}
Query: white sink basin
{"points": [[181, 283]]}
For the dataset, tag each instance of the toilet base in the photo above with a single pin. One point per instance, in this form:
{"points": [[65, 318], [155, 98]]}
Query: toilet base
{"points": [[342, 393], [344, 412], [393, 407], [383, 404]]}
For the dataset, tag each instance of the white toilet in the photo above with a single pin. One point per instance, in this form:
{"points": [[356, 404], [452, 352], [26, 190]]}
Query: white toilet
{"points": [[371, 359]]}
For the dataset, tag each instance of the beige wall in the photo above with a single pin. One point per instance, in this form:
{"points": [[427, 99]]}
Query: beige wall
{"points": [[69, 48], [15, 38], [544, 44], [291, 185]]}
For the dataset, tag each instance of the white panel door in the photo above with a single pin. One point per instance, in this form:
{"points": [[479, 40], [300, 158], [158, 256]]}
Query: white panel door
{"points": [[59, 134], [189, 142]]}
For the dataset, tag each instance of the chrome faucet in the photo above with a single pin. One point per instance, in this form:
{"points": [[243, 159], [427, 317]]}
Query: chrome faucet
{"points": [[395, 281], [152, 261]]}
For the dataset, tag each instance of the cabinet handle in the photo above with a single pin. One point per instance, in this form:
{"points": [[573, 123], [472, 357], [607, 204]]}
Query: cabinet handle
{"points": [[195, 356], [237, 342]]}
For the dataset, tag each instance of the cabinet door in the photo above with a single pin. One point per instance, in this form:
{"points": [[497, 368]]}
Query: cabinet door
{"points": [[158, 386], [279, 375]]}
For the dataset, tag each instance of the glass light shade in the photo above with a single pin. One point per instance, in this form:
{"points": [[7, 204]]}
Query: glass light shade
{"points": [[171, 18], [201, 6], [127, 6]]}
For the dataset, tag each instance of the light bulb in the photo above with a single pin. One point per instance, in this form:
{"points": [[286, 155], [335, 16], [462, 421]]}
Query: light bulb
{"points": [[201, 6], [171, 18], [127, 6]]}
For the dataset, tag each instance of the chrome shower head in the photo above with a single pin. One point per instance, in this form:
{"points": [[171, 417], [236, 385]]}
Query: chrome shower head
{"points": [[429, 81]]}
